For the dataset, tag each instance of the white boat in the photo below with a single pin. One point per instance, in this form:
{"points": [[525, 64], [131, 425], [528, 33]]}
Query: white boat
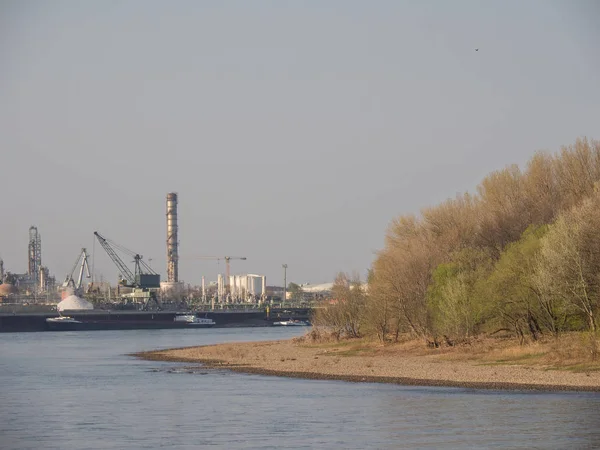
{"points": [[63, 323], [291, 323], [62, 319], [194, 321]]}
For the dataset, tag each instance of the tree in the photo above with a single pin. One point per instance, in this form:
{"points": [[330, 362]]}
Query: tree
{"points": [[569, 266], [455, 301], [344, 316], [516, 297], [542, 189], [422, 250], [401, 277], [379, 311], [577, 169], [504, 210]]}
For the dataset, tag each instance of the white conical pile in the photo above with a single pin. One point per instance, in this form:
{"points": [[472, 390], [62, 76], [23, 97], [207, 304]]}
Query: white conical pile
{"points": [[72, 302]]}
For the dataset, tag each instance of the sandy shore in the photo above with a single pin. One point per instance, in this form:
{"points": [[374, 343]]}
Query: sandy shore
{"points": [[399, 364]]}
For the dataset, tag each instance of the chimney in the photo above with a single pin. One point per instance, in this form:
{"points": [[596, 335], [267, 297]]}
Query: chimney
{"points": [[172, 242]]}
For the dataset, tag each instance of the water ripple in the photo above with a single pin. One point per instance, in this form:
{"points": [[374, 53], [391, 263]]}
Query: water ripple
{"points": [[82, 391]]}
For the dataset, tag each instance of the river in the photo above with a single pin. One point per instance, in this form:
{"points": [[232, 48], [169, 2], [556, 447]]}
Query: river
{"points": [[81, 390]]}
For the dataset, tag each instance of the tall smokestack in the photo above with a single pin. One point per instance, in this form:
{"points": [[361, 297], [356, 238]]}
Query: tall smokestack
{"points": [[172, 242], [34, 254]]}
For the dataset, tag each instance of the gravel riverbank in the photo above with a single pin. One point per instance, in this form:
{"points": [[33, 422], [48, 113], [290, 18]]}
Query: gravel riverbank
{"points": [[400, 365]]}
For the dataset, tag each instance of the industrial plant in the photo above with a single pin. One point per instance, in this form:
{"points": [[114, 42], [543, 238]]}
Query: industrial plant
{"points": [[36, 281], [137, 288]]}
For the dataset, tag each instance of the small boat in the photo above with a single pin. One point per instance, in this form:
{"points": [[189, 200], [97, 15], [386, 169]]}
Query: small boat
{"points": [[62, 323], [62, 319], [291, 323], [194, 321]]}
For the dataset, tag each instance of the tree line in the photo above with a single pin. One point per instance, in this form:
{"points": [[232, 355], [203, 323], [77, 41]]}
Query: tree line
{"points": [[521, 254]]}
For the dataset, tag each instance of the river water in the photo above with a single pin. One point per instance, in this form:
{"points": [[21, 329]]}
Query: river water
{"points": [[81, 390]]}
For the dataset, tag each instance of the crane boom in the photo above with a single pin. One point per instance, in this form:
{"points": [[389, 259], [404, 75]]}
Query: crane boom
{"points": [[70, 274], [227, 264], [84, 266], [142, 277], [142, 280], [69, 281], [125, 272], [228, 267]]}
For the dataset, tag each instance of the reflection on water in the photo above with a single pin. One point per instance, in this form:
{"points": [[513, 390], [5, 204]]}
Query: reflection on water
{"points": [[81, 391]]}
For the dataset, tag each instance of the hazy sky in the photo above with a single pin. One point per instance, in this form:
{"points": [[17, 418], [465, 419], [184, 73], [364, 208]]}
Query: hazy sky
{"points": [[293, 131]]}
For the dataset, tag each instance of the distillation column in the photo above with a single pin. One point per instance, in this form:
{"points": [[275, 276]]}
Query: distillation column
{"points": [[172, 242], [34, 254]]}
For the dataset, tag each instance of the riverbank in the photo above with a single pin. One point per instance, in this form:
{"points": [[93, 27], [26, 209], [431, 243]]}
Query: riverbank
{"points": [[491, 364]]}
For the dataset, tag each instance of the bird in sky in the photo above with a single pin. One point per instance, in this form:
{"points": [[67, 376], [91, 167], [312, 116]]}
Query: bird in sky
{"points": [[476, 49]]}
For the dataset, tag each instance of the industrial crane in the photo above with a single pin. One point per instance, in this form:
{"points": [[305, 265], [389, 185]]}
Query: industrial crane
{"points": [[227, 263], [69, 282], [143, 278], [227, 260]]}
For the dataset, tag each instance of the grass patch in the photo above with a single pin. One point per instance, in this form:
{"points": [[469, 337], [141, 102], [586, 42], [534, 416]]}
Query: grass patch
{"points": [[358, 351], [527, 357], [582, 368], [333, 344]]}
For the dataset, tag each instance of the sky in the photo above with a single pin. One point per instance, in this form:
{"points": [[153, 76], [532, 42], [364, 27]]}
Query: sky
{"points": [[293, 131]]}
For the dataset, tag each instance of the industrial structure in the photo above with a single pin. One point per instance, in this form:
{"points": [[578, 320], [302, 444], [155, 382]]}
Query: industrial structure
{"points": [[172, 242], [37, 279], [172, 287], [35, 256], [143, 280], [248, 288], [220, 287], [71, 286], [138, 287], [72, 294], [226, 281]]}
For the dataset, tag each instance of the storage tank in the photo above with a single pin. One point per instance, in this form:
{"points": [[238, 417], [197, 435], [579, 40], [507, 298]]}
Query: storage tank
{"points": [[7, 289]]}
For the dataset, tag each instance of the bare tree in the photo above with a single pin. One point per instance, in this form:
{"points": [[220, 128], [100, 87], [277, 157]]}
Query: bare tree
{"points": [[345, 314]]}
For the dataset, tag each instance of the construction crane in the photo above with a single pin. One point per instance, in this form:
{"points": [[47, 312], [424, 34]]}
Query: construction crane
{"points": [[227, 260], [142, 279], [227, 263], [228, 267], [69, 282]]}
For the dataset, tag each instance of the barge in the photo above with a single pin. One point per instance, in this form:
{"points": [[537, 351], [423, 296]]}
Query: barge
{"points": [[128, 320], [132, 320], [67, 323]]}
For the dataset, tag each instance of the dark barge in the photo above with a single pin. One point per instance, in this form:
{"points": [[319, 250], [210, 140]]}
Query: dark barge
{"points": [[135, 320]]}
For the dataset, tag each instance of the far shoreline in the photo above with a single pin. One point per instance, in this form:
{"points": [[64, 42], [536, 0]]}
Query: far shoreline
{"points": [[400, 366]]}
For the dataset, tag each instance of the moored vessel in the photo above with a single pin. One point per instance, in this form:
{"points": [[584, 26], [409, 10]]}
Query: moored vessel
{"points": [[291, 323], [194, 321], [63, 323]]}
